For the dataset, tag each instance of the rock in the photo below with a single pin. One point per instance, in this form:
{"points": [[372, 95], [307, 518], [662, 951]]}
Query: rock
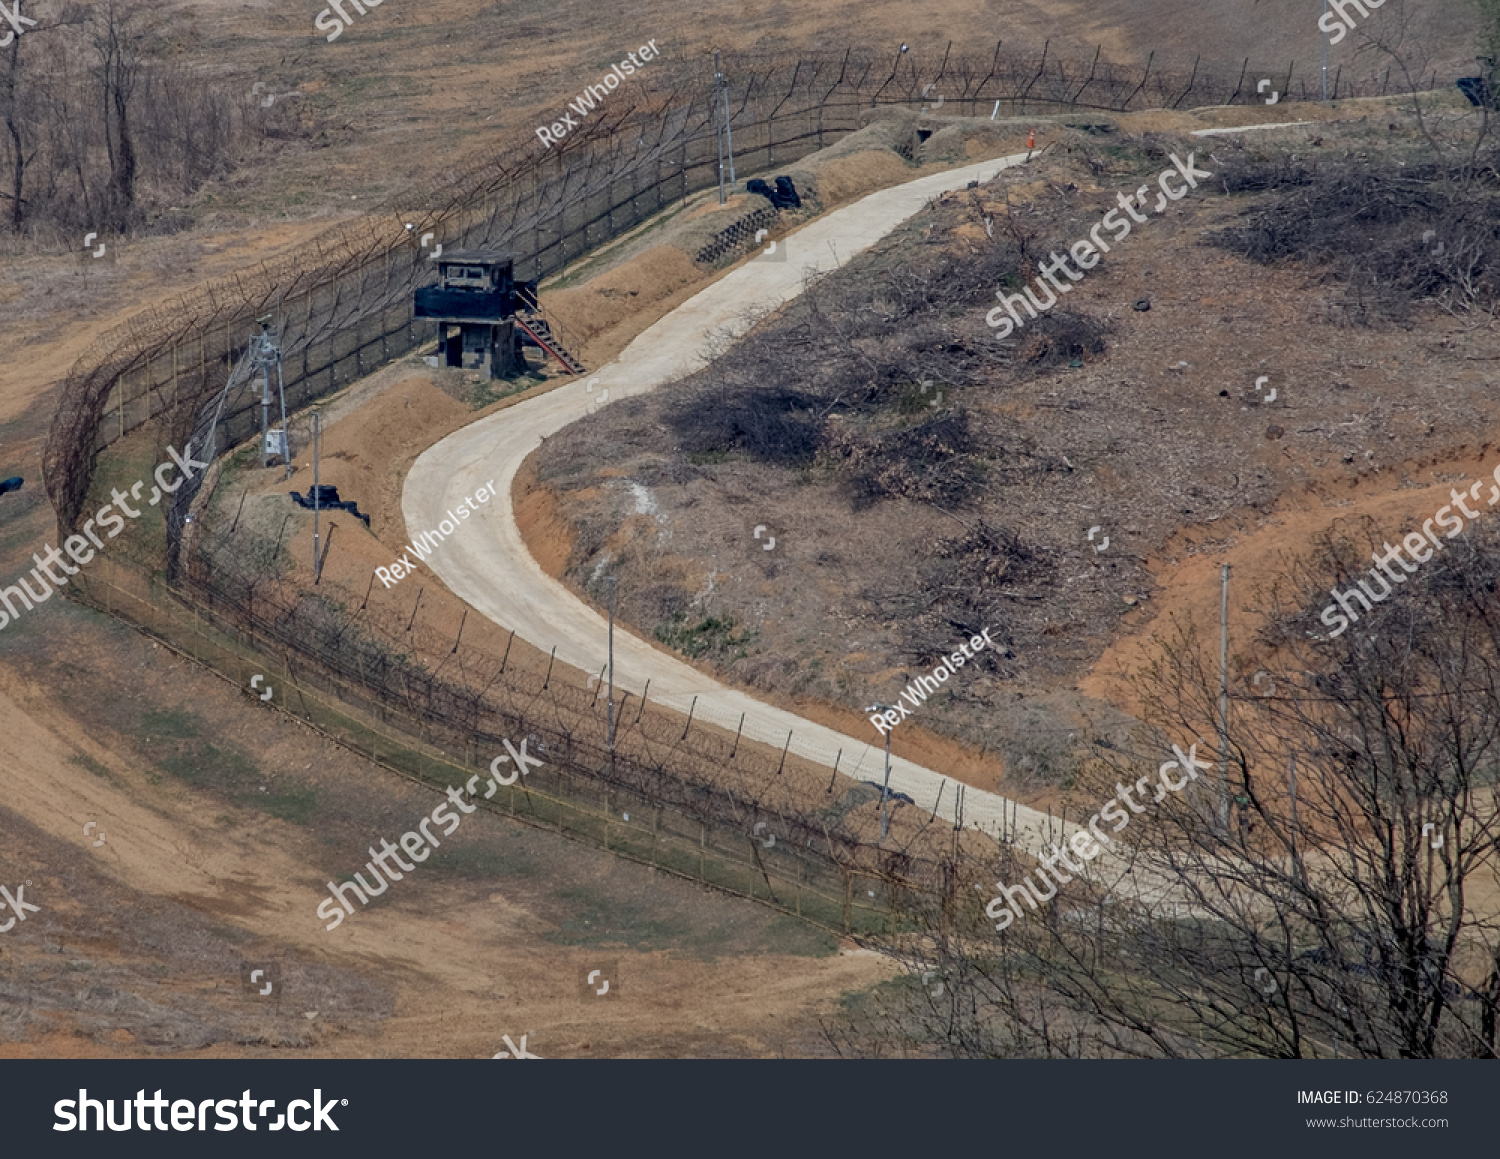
{"points": [[1143, 304]]}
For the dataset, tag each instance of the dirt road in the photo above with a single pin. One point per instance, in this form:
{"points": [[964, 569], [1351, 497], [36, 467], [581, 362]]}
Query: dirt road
{"points": [[487, 563]]}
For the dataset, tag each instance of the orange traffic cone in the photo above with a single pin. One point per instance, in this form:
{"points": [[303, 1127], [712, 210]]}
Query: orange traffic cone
{"points": [[1031, 140]]}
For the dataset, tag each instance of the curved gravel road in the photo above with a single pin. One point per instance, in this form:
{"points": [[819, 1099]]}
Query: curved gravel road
{"points": [[491, 569]]}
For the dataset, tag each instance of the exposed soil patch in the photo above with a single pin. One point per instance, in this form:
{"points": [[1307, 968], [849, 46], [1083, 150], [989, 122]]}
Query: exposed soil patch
{"points": [[223, 821], [922, 481]]}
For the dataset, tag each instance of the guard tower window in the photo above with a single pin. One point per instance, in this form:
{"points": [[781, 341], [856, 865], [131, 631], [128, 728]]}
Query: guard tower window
{"points": [[475, 277]]}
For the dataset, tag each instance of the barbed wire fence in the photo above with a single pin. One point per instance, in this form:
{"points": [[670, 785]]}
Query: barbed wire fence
{"points": [[691, 801], [344, 299], [343, 307]]}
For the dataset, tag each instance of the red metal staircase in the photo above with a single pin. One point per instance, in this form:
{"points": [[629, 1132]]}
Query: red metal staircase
{"points": [[540, 332]]}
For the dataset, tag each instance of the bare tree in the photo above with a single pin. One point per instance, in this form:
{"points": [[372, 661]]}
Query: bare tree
{"points": [[1343, 901], [101, 115], [121, 38], [13, 84]]}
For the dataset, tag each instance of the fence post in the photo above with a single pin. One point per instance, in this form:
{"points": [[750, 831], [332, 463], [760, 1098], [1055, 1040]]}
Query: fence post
{"points": [[1192, 80], [1241, 83], [1125, 104]]}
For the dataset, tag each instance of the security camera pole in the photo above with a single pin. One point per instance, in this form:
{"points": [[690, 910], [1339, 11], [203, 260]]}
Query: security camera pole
{"points": [[885, 792], [721, 127], [317, 493]]}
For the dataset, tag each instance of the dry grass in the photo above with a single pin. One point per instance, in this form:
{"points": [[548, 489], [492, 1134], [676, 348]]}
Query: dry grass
{"points": [[904, 523]]}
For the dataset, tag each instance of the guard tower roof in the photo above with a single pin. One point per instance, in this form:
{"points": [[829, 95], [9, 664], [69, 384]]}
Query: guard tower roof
{"points": [[478, 257]]}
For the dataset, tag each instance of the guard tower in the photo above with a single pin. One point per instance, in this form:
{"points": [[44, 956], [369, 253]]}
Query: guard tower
{"points": [[477, 293]]}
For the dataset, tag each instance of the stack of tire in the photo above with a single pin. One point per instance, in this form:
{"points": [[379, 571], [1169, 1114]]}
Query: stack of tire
{"points": [[741, 234]]}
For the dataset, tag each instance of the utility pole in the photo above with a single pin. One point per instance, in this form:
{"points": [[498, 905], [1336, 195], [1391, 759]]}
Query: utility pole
{"points": [[1291, 783], [1323, 24], [718, 136], [728, 128], [317, 500], [723, 134], [286, 437], [1224, 699], [611, 664], [885, 791]]}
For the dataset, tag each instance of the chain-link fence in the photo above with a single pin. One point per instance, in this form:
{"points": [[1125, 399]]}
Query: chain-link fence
{"points": [[634, 801], [694, 799], [344, 300]]}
